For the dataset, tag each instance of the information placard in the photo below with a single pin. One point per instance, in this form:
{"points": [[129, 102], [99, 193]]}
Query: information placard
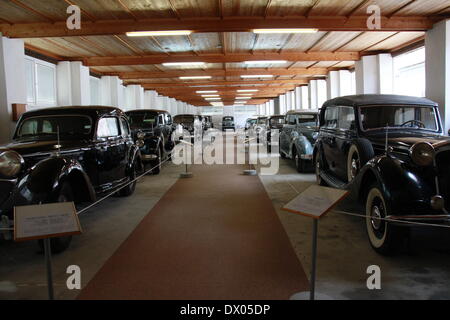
{"points": [[45, 221], [315, 201]]}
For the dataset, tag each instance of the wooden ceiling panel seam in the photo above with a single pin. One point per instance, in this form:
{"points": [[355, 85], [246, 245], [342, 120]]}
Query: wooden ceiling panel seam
{"points": [[349, 41], [400, 8], [310, 9], [359, 6], [174, 10], [129, 45], [32, 10], [125, 8], [381, 41], [267, 9]]}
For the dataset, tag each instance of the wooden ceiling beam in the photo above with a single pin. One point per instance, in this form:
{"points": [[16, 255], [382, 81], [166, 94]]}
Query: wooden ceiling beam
{"points": [[213, 24], [210, 85], [219, 73], [225, 88], [220, 58]]}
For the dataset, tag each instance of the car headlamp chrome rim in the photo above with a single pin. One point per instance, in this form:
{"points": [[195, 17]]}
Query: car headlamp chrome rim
{"points": [[422, 153], [10, 163]]}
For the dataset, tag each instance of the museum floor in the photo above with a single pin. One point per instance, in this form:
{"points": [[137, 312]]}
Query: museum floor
{"points": [[343, 250]]}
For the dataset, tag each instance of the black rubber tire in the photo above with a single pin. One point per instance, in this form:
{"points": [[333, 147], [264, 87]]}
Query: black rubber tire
{"points": [[383, 236], [318, 165], [359, 153], [58, 245], [299, 162], [129, 189], [157, 163], [282, 155]]}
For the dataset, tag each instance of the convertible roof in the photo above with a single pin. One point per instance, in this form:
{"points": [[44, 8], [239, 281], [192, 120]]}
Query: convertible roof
{"points": [[93, 111], [378, 99]]}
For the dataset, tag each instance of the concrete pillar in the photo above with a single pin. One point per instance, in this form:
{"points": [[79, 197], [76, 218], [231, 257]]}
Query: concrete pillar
{"points": [[298, 97], [73, 84], [312, 94], [305, 97], [180, 107], [112, 92], [374, 74], [283, 108], [150, 99], [437, 68], [276, 106], [13, 81], [173, 106]]}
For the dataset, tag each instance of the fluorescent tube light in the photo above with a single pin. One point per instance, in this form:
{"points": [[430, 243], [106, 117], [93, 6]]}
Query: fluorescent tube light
{"points": [[265, 61], [175, 64], [210, 95], [158, 33], [206, 91], [287, 30], [195, 77], [243, 98], [212, 99], [245, 94], [257, 76]]}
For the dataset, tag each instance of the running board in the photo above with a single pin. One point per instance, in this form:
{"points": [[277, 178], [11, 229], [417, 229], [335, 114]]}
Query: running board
{"points": [[332, 181]]}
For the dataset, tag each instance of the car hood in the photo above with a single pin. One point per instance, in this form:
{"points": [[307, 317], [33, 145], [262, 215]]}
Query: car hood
{"points": [[27, 147], [406, 139]]}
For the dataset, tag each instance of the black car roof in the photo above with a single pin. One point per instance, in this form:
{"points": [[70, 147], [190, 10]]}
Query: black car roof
{"points": [[92, 111], [378, 99], [147, 110]]}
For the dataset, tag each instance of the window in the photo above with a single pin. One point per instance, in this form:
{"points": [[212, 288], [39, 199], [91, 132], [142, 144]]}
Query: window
{"points": [[160, 119], [95, 90], [291, 119], [346, 118], [409, 73], [125, 127], [47, 127], [331, 117], [307, 120], [107, 127], [41, 82], [168, 118]]}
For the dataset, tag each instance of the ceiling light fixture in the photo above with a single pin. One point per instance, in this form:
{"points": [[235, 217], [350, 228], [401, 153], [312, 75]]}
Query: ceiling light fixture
{"points": [[245, 94], [217, 104], [195, 77], [248, 76], [181, 64], [265, 61], [206, 91], [243, 98], [210, 95], [212, 99], [287, 30], [158, 33]]}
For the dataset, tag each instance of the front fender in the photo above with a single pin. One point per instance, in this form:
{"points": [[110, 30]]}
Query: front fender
{"points": [[303, 145], [407, 190], [135, 157], [45, 179]]}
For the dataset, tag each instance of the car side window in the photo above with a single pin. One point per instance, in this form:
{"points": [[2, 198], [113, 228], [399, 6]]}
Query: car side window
{"points": [[125, 127], [291, 119], [108, 127], [346, 118], [160, 119], [168, 119], [331, 117]]}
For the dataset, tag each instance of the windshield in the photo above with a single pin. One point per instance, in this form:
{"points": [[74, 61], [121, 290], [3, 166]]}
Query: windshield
{"points": [[396, 117], [307, 120], [46, 127], [142, 119], [277, 120], [183, 119], [262, 120], [251, 121], [227, 118]]}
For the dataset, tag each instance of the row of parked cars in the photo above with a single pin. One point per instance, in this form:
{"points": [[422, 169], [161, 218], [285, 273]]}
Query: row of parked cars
{"points": [[81, 154], [390, 151]]}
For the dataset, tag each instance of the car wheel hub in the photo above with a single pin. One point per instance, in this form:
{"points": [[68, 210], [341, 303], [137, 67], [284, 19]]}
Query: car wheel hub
{"points": [[375, 219], [354, 168]]}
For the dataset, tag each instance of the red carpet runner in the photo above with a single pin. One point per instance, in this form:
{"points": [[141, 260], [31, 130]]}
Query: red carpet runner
{"points": [[214, 236]]}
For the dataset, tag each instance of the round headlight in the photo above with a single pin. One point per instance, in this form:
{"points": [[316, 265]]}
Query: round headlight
{"points": [[10, 163], [140, 135], [422, 153]]}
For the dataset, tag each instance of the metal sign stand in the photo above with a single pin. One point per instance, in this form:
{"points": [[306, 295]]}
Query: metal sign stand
{"points": [[314, 203], [186, 173], [249, 171], [48, 262]]}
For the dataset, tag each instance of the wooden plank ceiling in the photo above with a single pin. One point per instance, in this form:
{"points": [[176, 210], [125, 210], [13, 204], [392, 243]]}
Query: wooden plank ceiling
{"points": [[222, 38]]}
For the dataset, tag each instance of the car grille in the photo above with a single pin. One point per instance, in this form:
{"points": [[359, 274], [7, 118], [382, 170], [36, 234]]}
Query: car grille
{"points": [[443, 170]]}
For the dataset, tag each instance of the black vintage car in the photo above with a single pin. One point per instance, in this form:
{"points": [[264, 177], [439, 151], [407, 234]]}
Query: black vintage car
{"points": [[228, 123], [67, 154], [154, 128], [391, 153]]}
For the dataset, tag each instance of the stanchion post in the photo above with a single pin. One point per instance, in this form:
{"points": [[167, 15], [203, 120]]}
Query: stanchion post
{"points": [[48, 262], [313, 260]]}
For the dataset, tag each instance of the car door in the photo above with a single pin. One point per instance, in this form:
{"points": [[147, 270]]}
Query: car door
{"points": [[111, 150], [345, 134], [328, 133], [286, 136]]}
